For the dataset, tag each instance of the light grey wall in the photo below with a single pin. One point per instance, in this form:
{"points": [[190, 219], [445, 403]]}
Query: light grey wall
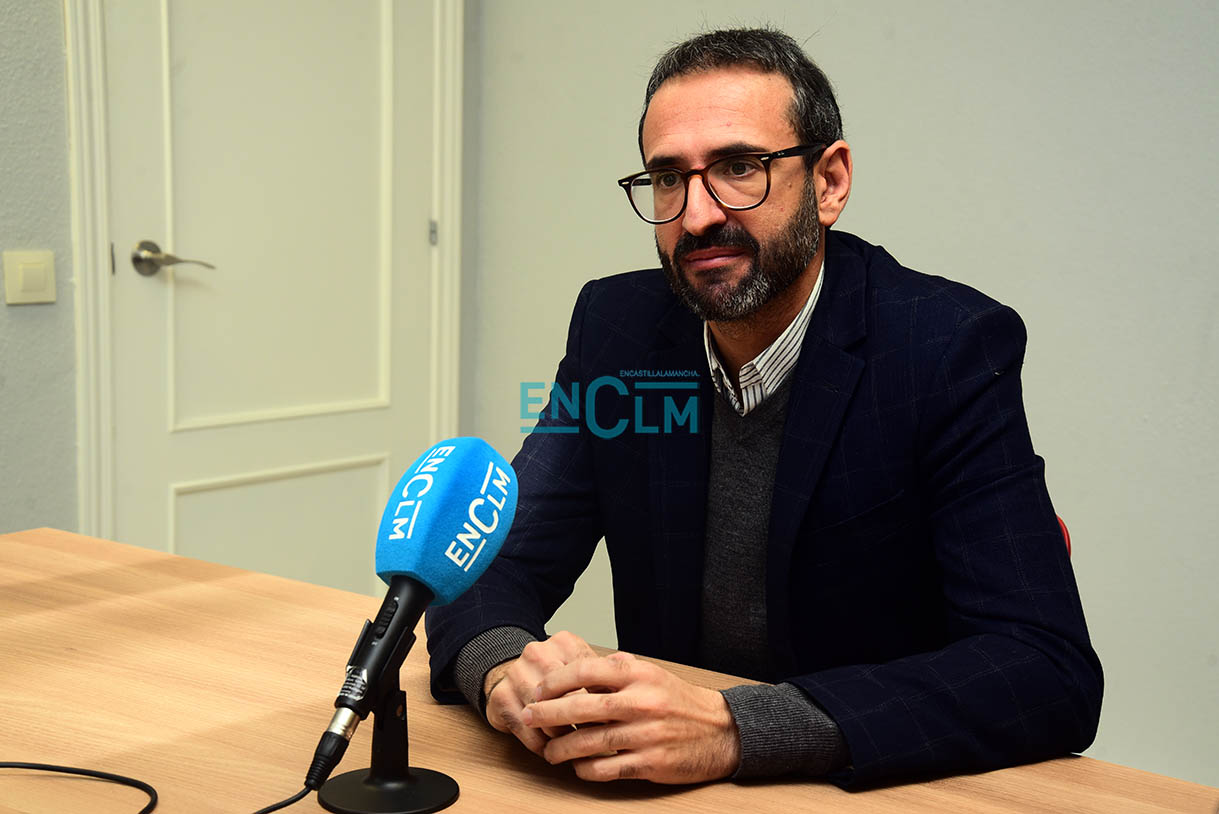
{"points": [[1059, 156], [37, 342]]}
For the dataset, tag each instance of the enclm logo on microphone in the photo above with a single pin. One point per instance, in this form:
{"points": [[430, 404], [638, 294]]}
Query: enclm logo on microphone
{"points": [[469, 542], [482, 514]]}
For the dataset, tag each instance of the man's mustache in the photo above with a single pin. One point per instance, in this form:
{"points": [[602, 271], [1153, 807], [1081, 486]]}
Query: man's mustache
{"points": [[720, 237]]}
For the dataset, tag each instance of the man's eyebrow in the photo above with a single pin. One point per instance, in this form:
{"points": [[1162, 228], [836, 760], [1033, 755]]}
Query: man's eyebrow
{"points": [[719, 152]]}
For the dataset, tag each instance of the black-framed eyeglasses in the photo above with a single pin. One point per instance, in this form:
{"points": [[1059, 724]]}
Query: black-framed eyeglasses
{"points": [[737, 182]]}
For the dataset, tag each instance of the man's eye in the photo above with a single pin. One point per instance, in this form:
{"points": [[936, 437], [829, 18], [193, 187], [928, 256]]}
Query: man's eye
{"points": [[740, 168], [666, 180]]}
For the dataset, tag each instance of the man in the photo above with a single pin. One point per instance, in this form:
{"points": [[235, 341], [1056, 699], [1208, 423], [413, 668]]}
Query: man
{"points": [[864, 526]]}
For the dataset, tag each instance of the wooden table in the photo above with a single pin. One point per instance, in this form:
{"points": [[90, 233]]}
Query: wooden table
{"points": [[213, 684]]}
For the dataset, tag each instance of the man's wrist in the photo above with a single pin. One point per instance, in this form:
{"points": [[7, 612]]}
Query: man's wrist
{"points": [[730, 737], [494, 676], [482, 654]]}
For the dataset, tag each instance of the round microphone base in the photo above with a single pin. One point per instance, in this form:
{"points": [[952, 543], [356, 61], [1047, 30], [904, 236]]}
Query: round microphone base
{"points": [[422, 791]]}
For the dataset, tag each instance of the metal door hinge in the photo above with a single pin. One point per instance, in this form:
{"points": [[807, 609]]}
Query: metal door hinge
{"points": [[433, 232]]}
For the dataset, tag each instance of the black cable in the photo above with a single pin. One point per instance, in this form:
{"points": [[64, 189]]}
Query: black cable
{"points": [[300, 795], [113, 778]]}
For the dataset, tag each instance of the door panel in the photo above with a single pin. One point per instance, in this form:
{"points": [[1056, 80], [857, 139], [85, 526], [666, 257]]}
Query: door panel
{"points": [[295, 138], [315, 533]]}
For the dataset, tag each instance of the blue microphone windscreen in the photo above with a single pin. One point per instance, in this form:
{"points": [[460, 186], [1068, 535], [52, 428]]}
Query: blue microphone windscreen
{"points": [[447, 517]]}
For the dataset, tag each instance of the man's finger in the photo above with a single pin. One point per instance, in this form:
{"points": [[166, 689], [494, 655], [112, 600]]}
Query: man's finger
{"points": [[594, 741], [542, 657], [511, 722], [583, 708], [603, 768], [558, 730], [611, 674], [533, 739], [504, 708], [571, 646]]}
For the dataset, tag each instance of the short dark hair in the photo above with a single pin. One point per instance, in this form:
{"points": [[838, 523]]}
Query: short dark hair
{"points": [[814, 111]]}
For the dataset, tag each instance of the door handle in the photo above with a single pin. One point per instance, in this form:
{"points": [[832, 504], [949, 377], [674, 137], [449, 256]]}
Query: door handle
{"points": [[148, 258]]}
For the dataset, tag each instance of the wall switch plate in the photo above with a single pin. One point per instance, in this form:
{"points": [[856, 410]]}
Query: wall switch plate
{"points": [[29, 277]]}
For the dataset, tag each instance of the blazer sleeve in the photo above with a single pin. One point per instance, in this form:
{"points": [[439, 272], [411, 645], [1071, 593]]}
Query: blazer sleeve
{"points": [[553, 537], [1018, 680]]}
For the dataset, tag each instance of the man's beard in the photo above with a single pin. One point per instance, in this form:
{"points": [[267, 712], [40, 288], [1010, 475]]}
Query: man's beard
{"points": [[774, 267]]}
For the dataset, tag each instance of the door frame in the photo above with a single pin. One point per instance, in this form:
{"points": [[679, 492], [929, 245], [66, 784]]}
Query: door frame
{"points": [[94, 258]]}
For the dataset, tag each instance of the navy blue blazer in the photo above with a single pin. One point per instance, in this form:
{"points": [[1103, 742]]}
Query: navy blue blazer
{"points": [[917, 584]]}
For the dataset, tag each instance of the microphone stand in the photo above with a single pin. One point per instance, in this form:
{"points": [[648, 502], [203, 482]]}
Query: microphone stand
{"points": [[391, 785]]}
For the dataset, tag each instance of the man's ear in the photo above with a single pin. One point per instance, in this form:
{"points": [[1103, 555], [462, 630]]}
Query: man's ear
{"points": [[832, 181]]}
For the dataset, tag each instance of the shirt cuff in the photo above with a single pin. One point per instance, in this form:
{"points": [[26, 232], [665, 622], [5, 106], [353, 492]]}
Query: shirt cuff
{"points": [[783, 732], [480, 654]]}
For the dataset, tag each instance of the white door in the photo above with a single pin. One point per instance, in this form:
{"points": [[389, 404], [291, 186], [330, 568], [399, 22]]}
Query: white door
{"points": [[264, 408]]}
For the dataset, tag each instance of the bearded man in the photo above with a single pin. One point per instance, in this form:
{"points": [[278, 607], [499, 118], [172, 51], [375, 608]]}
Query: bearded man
{"points": [[864, 527]]}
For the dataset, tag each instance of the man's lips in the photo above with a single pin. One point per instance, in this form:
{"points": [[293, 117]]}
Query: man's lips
{"points": [[704, 259]]}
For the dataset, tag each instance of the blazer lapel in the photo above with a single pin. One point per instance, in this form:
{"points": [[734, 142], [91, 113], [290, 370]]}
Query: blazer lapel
{"points": [[823, 382], [679, 464]]}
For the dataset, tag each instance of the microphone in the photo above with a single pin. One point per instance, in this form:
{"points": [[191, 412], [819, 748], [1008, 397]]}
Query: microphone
{"points": [[445, 521]]}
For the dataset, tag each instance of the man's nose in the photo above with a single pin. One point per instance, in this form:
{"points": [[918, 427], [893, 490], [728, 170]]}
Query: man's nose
{"points": [[702, 211]]}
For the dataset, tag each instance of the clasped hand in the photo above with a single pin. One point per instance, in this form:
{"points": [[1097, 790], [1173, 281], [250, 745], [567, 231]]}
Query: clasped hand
{"points": [[612, 717]]}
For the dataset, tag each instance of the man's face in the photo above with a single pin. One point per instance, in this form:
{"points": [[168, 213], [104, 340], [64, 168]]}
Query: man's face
{"points": [[727, 264]]}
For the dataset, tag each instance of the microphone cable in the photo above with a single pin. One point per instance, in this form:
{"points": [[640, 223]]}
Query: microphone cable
{"points": [[296, 798], [113, 778]]}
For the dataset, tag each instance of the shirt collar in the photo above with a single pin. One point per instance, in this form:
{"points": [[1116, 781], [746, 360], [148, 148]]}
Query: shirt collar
{"points": [[762, 376]]}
